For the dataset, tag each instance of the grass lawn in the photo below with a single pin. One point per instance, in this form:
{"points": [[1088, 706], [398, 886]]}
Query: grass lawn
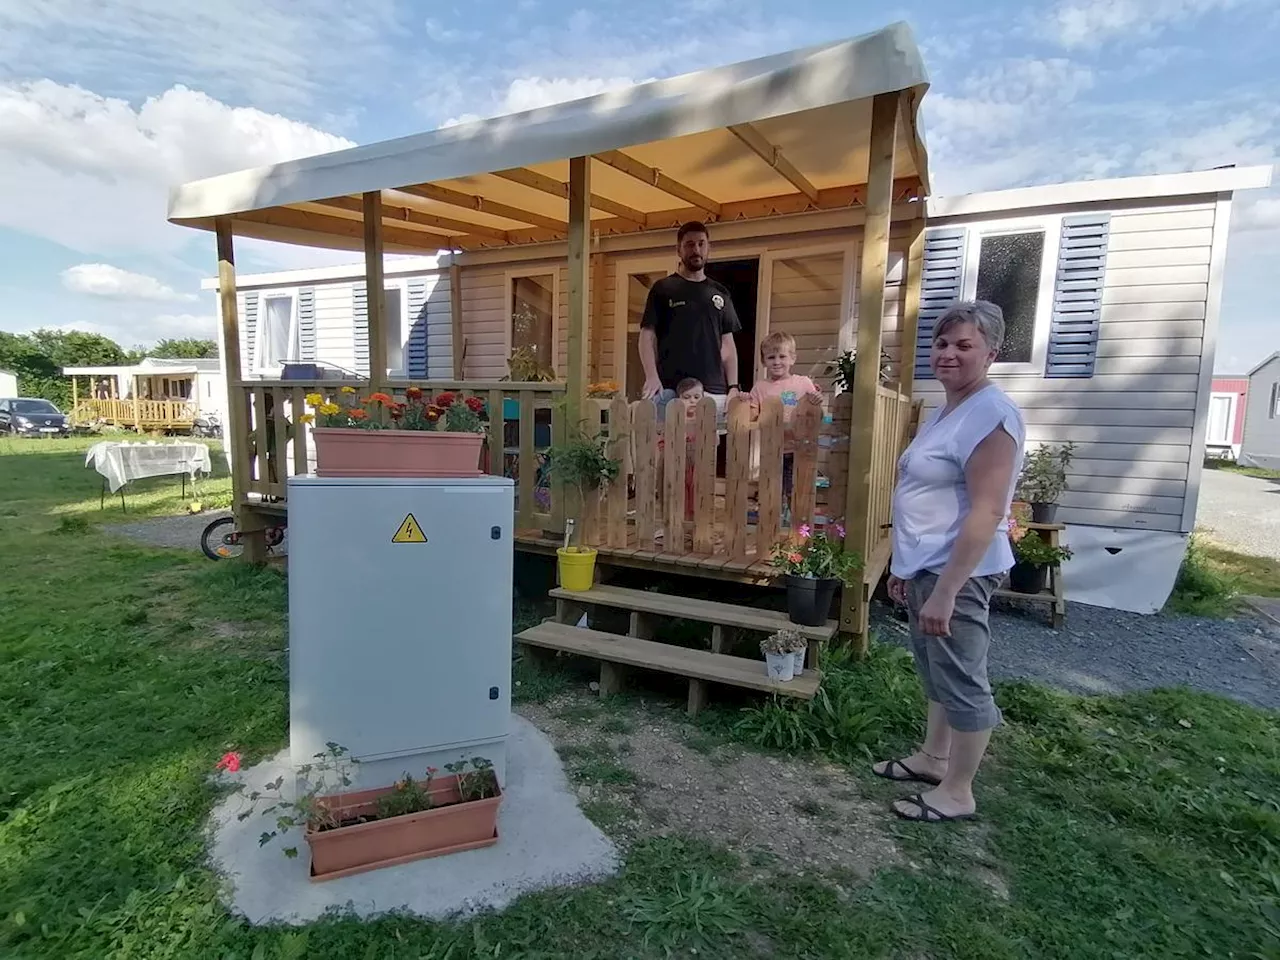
{"points": [[1226, 466], [1137, 826]]}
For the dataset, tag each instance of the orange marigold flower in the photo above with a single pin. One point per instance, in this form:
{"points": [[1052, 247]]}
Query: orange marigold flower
{"points": [[433, 413], [381, 398], [413, 393], [357, 414]]}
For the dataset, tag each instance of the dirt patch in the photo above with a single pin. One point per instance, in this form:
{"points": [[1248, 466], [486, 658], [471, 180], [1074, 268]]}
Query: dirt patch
{"points": [[643, 771]]}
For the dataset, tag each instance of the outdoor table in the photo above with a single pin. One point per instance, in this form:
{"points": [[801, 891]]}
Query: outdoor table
{"points": [[121, 462]]}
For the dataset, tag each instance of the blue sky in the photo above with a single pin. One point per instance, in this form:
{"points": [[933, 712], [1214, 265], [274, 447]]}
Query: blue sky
{"points": [[103, 106]]}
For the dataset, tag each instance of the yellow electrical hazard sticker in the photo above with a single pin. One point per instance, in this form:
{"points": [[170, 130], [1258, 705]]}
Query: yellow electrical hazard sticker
{"points": [[409, 532]]}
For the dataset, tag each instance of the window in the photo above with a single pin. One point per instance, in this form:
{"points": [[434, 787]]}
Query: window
{"points": [[393, 328], [278, 340], [1011, 264], [533, 309], [1009, 276]]}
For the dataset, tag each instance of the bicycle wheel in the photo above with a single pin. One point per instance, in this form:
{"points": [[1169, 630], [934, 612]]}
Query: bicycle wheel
{"points": [[221, 539]]}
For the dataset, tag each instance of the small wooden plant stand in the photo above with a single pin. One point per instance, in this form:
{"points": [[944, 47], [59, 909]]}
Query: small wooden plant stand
{"points": [[1053, 596]]}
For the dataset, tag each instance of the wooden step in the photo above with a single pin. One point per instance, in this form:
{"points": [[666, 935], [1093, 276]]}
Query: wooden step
{"points": [[697, 665], [687, 608]]}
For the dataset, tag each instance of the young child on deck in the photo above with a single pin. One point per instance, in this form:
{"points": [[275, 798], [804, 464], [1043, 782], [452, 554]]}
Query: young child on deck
{"points": [[778, 353], [688, 392]]}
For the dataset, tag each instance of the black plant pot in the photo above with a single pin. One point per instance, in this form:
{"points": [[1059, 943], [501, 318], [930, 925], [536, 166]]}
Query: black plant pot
{"points": [[1043, 512], [809, 599], [1028, 578]]}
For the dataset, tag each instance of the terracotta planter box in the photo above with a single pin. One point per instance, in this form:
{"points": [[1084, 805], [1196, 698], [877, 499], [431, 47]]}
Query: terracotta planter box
{"points": [[348, 452], [413, 836]]}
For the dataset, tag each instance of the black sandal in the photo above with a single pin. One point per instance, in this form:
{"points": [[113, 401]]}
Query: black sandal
{"points": [[928, 814], [910, 775]]}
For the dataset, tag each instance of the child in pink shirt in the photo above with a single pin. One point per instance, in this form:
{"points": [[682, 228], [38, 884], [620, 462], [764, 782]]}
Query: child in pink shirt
{"points": [[778, 353]]}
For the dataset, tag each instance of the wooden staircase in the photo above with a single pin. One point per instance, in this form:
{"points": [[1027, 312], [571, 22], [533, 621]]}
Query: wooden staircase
{"points": [[643, 648]]}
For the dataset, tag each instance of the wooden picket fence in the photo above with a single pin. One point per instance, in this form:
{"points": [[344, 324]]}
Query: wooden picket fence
{"points": [[739, 515]]}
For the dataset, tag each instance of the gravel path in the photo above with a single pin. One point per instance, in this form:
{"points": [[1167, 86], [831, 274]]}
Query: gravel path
{"points": [[1242, 513], [182, 531], [1110, 651]]}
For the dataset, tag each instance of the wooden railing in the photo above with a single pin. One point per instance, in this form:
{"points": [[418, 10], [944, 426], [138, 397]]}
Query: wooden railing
{"points": [[893, 415], [523, 420], [135, 413]]}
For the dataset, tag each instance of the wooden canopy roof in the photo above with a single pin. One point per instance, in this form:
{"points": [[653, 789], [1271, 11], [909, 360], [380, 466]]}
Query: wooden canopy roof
{"points": [[781, 134]]}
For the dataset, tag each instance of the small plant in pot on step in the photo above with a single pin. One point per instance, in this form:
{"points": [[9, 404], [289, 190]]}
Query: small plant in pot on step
{"points": [[813, 565], [798, 646], [1033, 556], [1044, 478], [779, 662]]}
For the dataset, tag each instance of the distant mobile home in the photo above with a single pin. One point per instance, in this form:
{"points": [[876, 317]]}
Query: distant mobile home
{"points": [[1261, 441], [1224, 432], [1110, 290]]}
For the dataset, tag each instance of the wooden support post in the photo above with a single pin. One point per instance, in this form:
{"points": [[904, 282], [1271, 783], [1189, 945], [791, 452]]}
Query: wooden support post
{"points": [[698, 688], [862, 439], [611, 678], [250, 524], [911, 309], [455, 316], [579, 285], [374, 287], [137, 404], [75, 398]]}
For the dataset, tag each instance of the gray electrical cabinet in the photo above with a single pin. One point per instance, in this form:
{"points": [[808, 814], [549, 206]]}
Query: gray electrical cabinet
{"points": [[400, 597]]}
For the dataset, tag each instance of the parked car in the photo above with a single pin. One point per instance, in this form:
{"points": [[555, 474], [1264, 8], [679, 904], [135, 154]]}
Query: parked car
{"points": [[33, 417]]}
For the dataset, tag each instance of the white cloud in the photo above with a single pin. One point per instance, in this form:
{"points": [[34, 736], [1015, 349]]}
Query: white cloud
{"points": [[93, 173], [1257, 213], [104, 280], [1092, 23]]}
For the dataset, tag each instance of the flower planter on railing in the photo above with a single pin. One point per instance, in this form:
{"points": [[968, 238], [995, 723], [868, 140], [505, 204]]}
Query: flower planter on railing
{"points": [[380, 436]]}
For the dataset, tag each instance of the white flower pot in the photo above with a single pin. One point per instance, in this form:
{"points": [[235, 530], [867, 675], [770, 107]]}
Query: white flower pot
{"points": [[780, 666], [797, 657]]}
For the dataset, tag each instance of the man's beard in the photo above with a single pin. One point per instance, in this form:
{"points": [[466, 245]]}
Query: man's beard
{"points": [[693, 263]]}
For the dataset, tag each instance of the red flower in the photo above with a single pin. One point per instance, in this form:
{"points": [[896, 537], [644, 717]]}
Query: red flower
{"points": [[230, 762], [397, 411], [413, 393], [433, 413], [357, 414], [444, 400], [381, 398], [475, 404]]}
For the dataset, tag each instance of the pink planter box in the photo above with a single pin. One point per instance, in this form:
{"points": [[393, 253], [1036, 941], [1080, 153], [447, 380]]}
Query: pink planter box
{"points": [[347, 452]]}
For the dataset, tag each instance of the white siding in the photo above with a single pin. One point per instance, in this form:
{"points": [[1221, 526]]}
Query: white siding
{"points": [[1133, 421]]}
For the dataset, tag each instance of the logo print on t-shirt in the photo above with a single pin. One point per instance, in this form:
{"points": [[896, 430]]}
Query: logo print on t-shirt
{"points": [[717, 301], [789, 398]]}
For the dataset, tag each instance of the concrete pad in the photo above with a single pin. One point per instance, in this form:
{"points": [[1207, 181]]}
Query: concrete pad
{"points": [[544, 841]]}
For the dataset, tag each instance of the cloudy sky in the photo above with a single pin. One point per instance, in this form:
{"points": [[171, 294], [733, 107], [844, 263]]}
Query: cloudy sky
{"points": [[104, 105]]}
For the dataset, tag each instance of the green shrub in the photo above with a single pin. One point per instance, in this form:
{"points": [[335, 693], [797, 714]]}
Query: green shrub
{"points": [[1201, 590]]}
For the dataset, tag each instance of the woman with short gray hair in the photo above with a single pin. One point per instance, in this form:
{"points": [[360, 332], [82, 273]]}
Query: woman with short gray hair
{"points": [[950, 553]]}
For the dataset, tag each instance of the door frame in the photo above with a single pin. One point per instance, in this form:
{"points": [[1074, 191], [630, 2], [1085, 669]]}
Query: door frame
{"points": [[848, 298], [624, 267]]}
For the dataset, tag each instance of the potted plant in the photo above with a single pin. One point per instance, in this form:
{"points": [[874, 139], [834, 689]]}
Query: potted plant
{"points": [[798, 645], [378, 436], [813, 566], [1033, 556], [1044, 478], [779, 664], [841, 369], [351, 832], [582, 462]]}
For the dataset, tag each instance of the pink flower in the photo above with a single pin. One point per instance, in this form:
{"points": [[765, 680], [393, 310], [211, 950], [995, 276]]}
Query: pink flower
{"points": [[840, 530], [795, 558], [230, 762], [804, 531]]}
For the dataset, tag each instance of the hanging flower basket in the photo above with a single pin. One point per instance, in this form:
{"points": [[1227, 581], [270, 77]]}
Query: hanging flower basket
{"points": [[378, 436]]}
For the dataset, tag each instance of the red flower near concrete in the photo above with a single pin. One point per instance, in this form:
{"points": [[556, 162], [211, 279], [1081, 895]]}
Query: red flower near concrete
{"points": [[230, 762]]}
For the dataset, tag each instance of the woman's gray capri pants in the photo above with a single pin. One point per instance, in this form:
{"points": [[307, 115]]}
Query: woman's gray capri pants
{"points": [[953, 670]]}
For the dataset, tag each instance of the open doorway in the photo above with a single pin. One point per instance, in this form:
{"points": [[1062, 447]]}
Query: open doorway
{"points": [[742, 278]]}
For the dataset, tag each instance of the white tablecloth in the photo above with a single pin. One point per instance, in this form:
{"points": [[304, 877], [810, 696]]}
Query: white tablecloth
{"points": [[122, 462]]}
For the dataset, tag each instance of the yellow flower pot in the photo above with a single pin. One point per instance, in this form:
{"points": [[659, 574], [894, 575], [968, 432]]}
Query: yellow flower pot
{"points": [[576, 567]]}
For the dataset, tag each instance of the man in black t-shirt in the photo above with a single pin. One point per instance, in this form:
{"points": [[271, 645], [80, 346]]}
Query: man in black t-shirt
{"points": [[688, 327]]}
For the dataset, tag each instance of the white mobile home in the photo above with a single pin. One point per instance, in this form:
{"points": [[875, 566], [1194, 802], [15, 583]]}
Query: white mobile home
{"points": [[1110, 290], [1260, 446]]}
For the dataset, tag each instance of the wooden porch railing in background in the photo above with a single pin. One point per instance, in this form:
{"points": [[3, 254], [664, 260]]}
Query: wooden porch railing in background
{"points": [[135, 413], [893, 415], [513, 445]]}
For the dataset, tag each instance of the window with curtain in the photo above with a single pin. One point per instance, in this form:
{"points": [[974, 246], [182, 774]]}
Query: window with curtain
{"points": [[532, 317], [1009, 271], [278, 340]]}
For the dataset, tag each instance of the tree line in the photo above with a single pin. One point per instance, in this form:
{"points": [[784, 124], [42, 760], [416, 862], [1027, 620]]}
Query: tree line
{"points": [[38, 358]]}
